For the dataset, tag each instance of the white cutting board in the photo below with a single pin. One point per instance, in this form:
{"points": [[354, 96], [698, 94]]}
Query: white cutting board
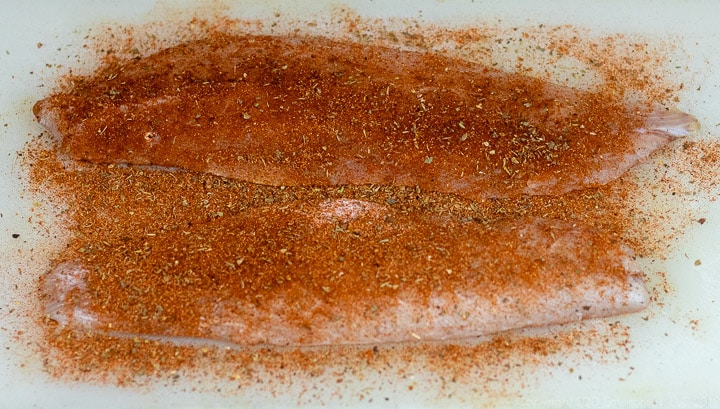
{"points": [[675, 359]]}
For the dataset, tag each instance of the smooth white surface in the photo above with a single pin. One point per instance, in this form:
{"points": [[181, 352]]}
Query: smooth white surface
{"points": [[673, 363]]}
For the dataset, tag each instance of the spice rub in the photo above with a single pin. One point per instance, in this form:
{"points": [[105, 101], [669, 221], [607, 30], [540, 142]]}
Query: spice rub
{"points": [[309, 263], [289, 110], [345, 271]]}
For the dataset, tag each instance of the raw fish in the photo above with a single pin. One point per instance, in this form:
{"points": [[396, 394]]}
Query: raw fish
{"points": [[288, 111], [345, 272]]}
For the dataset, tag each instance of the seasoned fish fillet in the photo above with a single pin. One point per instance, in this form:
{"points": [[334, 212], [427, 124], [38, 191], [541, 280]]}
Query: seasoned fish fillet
{"points": [[311, 111], [345, 272]]}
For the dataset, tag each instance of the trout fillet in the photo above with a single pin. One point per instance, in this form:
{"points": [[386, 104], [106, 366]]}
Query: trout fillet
{"points": [[345, 272], [288, 111]]}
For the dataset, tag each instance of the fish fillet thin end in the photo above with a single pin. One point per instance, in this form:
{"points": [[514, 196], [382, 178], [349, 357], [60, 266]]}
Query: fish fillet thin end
{"points": [[662, 126]]}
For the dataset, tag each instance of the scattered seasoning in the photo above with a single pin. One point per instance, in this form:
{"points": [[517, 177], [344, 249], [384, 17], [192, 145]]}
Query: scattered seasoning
{"points": [[137, 203], [147, 203]]}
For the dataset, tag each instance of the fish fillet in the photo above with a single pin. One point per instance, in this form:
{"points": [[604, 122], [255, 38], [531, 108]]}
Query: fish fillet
{"points": [[345, 272], [310, 111]]}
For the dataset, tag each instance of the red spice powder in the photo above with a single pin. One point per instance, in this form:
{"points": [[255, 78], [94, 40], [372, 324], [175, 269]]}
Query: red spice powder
{"points": [[110, 206]]}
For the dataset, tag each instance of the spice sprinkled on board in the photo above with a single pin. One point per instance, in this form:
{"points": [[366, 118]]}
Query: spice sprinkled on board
{"points": [[118, 212]]}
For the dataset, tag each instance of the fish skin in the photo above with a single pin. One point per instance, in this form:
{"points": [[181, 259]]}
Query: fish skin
{"points": [[525, 272], [301, 133]]}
